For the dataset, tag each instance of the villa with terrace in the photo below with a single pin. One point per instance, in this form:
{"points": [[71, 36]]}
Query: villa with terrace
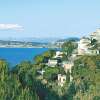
{"points": [[86, 48]]}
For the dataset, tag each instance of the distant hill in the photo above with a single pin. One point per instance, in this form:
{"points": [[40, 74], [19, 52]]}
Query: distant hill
{"points": [[39, 42], [75, 39]]}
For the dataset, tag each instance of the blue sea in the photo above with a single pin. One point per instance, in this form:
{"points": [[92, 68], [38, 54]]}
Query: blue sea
{"points": [[16, 55]]}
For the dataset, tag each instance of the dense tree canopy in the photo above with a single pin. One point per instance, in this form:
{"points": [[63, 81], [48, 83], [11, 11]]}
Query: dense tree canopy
{"points": [[10, 85], [86, 74]]}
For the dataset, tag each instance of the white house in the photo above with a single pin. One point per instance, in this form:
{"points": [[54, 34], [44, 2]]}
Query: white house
{"points": [[83, 46], [58, 54], [68, 67], [52, 63], [61, 80]]}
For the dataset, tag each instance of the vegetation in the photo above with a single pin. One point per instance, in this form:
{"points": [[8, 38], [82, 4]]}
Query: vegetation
{"points": [[86, 74], [24, 83], [68, 47], [11, 87], [46, 55]]}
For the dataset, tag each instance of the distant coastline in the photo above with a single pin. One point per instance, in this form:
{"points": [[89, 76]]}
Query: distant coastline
{"points": [[34, 44], [24, 44]]}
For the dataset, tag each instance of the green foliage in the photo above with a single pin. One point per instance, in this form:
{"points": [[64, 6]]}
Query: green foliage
{"points": [[3, 70], [49, 72], [70, 92], [68, 47], [11, 88], [49, 53], [86, 76], [96, 98], [68, 77], [44, 57], [38, 59], [21, 83], [93, 42]]}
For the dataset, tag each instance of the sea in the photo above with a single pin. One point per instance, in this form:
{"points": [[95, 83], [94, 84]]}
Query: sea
{"points": [[16, 55]]}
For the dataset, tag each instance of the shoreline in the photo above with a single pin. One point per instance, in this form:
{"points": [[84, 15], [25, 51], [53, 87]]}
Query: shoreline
{"points": [[31, 47]]}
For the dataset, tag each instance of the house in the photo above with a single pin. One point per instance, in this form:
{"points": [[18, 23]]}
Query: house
{"points": [[58, 54], [67, 66], [83, 45], [61, 80], [52, 63]]}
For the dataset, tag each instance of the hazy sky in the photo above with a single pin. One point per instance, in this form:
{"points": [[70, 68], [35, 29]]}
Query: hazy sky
{"points": [[48, 18]]}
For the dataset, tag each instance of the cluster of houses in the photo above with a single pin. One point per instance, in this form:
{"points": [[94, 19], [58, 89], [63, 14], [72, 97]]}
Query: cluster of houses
{"points": [[66, 65], [84, 48]]}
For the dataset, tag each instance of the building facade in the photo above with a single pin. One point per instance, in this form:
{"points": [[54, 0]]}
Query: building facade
{"points": [[61, 80]]}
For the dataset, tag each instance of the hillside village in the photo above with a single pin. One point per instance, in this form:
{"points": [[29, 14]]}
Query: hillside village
{"points": [[61, 60], [70, 73], [86, 46]]}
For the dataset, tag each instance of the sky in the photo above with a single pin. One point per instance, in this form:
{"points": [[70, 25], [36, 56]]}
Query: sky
{"points": [[48, 18]]}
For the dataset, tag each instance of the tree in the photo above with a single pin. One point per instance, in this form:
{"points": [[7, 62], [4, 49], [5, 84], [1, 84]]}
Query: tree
{"points": [[49, 72], [68, 47], [4, 70], [70, 92], [38, 59], [11, 88], [49, 54], [96, 98]]}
